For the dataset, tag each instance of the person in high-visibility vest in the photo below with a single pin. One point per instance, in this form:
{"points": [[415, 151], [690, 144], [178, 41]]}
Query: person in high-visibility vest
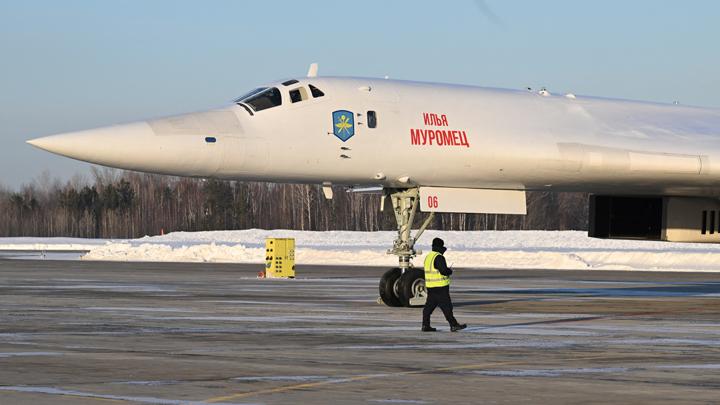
{"points": [[437, 283]]}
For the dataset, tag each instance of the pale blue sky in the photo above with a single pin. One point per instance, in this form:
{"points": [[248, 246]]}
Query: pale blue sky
{"points": [[72, 64]]}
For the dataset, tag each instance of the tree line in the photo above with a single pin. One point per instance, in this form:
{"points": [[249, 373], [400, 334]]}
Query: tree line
{"points": [[117, 204]]}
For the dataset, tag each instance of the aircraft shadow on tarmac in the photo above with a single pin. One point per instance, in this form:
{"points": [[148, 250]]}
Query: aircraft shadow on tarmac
{"points": [[683, 290]]}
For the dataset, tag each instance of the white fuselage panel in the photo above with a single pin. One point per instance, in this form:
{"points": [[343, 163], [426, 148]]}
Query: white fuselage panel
{"points": [[432, 135]]}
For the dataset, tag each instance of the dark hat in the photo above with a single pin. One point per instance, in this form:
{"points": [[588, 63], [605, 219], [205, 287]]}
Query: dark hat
{"points": [[438, 244]]}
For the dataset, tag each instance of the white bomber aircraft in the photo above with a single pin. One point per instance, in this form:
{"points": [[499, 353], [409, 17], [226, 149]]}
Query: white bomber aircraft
{"points": [[653, 170]]}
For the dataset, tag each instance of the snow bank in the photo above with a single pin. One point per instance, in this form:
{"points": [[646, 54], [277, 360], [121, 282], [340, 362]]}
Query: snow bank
{"points": [[50, 244], [489, 249]]}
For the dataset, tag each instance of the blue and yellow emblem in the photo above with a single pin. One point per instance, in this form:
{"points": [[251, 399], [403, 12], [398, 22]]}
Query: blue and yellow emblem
{"points": [[343, 124]]}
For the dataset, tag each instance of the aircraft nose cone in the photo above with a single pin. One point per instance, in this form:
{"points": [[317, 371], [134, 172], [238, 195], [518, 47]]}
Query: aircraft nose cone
{"points": [[193, 144], [44, 143], [109, 145], [38, 142], [96, 145]]}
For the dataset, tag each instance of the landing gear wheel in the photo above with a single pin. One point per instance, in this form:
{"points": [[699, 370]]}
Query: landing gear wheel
{"points": [[412, 288], [389, 288]]}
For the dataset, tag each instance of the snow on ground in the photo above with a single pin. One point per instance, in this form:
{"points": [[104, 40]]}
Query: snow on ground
{"points": [[488, 249], [49, 244]]}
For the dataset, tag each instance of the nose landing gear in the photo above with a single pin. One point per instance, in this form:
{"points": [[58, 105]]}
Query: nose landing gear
{"points": [[405, 285]]}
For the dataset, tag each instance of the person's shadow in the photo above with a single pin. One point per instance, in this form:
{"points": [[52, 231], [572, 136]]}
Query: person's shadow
{"points": [[546, 322], [489, 302]]}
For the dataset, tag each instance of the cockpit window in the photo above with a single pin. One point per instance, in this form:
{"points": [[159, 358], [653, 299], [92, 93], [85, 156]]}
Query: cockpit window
{"points": [[290, 82], [252, 93], [299, 94], [315, 91], [262, 99]]}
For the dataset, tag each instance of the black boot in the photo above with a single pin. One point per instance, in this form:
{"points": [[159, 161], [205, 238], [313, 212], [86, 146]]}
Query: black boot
{"points": [[428, 328], [457, 327]]}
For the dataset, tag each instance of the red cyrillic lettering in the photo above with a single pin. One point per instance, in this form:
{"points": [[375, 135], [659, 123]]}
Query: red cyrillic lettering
{"points": [[435, 120], [431, 135], [464, 140], [440, 137], [414, 137]]}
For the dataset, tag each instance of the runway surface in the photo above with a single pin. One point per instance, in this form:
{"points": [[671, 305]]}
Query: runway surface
{"points": [[86, 333]]}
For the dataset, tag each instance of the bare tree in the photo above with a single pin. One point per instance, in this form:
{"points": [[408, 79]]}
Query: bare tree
{"points": [[116, 204]]}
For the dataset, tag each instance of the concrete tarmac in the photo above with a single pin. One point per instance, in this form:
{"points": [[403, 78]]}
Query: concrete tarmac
{"points": [[87, 333]]}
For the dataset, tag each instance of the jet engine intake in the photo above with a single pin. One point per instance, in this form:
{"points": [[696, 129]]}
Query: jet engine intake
{"points": [[661, 218]]}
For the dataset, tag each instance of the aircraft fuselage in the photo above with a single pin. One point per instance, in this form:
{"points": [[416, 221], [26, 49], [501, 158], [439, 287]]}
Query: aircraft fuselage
{"points": [[424, 135]]}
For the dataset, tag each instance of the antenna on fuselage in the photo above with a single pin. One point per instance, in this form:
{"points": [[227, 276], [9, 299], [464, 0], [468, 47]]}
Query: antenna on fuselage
{"points": [[313, 71]]}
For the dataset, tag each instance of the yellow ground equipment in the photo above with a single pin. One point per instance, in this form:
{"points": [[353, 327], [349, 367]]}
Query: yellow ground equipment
{"points": [[279, 258]]}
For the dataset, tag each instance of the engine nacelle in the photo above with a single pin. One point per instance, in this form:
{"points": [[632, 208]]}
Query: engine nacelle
{"points": [[672, 219]]}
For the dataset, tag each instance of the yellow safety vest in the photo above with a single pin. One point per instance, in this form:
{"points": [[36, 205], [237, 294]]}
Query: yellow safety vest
{"points": [[433, 278]]}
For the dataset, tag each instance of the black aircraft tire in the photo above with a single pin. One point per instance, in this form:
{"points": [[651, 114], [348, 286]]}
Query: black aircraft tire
{"points": [[408, 285], [387, 288]]}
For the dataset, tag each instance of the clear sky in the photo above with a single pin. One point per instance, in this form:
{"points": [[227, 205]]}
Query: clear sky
{"points": [[72, 64]]}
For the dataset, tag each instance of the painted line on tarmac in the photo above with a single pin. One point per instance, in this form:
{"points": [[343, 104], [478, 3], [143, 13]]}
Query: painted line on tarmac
{"points": [[62, 393], [371, 377], [98, 397]]}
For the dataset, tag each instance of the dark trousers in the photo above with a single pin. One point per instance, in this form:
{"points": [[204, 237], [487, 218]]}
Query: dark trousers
{"points": [[438, 297]]}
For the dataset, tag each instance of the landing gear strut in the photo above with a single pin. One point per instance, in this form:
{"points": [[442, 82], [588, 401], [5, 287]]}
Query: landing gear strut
{"points": [[405, 285]]}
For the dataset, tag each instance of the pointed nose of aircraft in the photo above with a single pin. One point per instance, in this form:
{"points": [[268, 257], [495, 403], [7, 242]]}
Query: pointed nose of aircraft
{"points": [[101, 144], [129, 146], [186, 145]]}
